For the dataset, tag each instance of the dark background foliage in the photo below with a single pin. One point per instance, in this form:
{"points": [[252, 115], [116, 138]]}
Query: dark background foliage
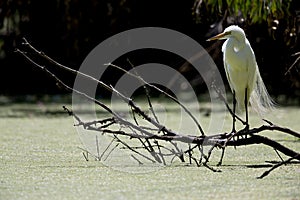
{"points": [[68, 30]]}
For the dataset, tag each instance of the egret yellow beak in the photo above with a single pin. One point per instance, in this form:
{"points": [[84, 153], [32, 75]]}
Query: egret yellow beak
{"points": [[219, 36]]}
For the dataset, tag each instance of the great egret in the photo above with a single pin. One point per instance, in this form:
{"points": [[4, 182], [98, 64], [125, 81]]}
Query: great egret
{"points": [[242, 73]]}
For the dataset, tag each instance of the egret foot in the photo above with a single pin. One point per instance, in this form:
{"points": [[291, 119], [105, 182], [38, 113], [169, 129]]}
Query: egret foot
{"points": [[245, 130], [233, 131]]}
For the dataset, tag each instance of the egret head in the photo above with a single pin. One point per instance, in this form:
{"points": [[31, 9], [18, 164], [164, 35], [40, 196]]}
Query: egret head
{"points": [[229, 32]]}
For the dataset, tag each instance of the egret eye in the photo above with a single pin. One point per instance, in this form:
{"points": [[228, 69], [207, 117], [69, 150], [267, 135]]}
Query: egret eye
{"points": [[228, 33]]}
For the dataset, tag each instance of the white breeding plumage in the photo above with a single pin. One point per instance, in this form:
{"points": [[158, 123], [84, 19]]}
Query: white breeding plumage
{"points": [[242, 71]]}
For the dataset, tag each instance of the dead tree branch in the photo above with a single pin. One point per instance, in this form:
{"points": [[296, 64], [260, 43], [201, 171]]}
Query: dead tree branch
{"points": [[154, 138]]}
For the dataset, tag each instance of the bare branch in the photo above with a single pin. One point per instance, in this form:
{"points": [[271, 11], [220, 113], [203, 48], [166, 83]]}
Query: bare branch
{"points": [[153, 136]]}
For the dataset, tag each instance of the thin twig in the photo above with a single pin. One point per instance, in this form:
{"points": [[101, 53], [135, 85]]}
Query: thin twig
{"points": [[266, 173], [107, 156], [146, 91], [140, 163], [97, 145], [290, 68], [108, 146], [222, 156], [133, 150]]}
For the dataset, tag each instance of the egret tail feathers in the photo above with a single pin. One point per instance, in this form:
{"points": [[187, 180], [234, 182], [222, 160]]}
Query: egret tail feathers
{"points": [[260, 100]]}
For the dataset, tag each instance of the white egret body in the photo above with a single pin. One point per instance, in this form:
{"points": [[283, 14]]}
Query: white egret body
{"points": [[242, 71]]}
